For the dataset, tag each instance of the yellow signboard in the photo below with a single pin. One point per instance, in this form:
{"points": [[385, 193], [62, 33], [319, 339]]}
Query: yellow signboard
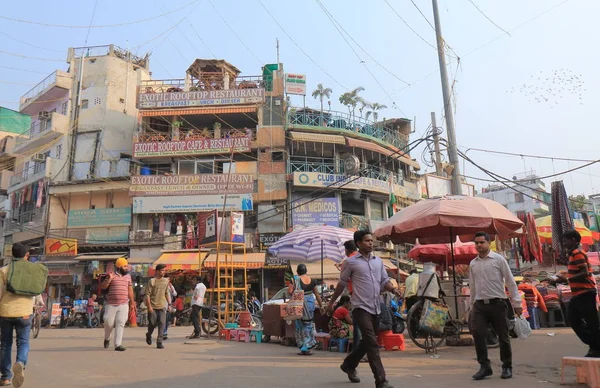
{"points": [[61, 247]]}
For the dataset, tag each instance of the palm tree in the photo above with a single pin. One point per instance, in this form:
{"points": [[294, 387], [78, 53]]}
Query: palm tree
{"points": [[363, 104], [375, 107], [351, 100], [321, 92]]}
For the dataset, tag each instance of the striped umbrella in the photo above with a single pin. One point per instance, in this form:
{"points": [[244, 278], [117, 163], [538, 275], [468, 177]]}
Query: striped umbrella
{"points": [[312, 244]]}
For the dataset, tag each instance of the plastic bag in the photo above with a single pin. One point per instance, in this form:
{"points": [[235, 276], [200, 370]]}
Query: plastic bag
{"points": [[522, 328], [433, 318]]}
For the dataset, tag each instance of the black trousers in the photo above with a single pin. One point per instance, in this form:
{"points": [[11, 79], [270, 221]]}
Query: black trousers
{"points": [[496, 314], [367, 324], [583, 319], [196, 319]]}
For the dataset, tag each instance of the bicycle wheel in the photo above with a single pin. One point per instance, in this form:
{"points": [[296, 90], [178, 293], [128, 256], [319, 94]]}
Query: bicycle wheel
{"points": [[212, 328], [37, 322], [422, 339]]}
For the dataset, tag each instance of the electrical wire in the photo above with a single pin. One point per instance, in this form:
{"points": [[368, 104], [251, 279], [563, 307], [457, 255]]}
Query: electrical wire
{"points": [[488, 18], [25, 70], [29, 44], [409, 27], [30, 57], [528, 155], [87, 35], [101, 26], [433, 28]]}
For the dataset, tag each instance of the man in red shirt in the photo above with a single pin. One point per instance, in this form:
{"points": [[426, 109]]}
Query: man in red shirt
{"points": [[91, 309], [582, 312], [118, 302]]}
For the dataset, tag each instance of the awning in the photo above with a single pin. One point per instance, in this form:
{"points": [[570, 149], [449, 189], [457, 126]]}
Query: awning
{"points": [[313, 269], [382, 150], [198, 111], [317, 138], [190, 260], [101, 257]]}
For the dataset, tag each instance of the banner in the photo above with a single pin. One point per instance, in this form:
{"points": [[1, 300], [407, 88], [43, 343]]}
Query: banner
{"points": [[55, 314], [237, 227], [192, 203], [201, 184], [207, 227], [61, 247], [333, 181], [99, 217], [202, 98], [107, 235], [276, 263], [322, 211], [191, 147]]}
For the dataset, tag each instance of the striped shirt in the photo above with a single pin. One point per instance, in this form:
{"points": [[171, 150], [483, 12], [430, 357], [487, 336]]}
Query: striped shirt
{"points": [[118, 290], [577, 260]]}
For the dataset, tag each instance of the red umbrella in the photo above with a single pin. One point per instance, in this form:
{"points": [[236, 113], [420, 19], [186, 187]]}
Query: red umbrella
{"points": [[440, 220], [442, 253]]}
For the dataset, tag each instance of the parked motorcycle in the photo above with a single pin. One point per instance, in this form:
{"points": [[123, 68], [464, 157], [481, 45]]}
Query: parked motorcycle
{"points": [[398, 324]]}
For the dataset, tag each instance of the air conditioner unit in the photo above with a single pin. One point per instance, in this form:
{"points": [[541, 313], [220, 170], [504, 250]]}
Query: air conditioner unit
{"points": [[43, 115], [39, 158]]}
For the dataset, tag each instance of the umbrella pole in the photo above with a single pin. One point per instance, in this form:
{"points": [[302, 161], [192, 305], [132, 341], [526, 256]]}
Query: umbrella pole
{"points": [[322, 254], [454, 272]]}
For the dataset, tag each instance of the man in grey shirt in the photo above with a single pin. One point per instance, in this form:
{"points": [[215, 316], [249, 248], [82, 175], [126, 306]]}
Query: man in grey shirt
{"points": [[369, 278], [489, 274]]}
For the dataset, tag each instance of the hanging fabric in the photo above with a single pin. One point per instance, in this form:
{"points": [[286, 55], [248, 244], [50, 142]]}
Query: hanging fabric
{"points": [[41, 199], [561, 219], [34, 191]]}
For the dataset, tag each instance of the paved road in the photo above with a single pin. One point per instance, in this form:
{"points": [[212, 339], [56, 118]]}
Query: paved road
{"points": [[75, 358]]}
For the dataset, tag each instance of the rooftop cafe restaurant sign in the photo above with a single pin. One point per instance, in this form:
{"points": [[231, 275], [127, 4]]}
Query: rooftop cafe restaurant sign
{"points": [[191, 147], [201, 184], [201, 98]]}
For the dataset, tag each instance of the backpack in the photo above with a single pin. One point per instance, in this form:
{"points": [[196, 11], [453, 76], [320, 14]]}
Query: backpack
{"points": [[26, 278]]}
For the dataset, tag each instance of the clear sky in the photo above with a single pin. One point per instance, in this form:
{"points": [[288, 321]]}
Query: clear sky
{"points": [[532, 92]]}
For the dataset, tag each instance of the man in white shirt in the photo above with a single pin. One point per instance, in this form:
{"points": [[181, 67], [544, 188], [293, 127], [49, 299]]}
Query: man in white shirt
{"points": [[489, 274], [197, 305]]}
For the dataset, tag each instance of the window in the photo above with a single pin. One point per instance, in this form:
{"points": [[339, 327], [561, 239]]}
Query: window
{"points": [[187, 167], [376, 210], [277, 156], [112, 166], [204, 166], [65, 107], [58, 152], [519, 198], [160, 169], [84, 104], [225, 168]]}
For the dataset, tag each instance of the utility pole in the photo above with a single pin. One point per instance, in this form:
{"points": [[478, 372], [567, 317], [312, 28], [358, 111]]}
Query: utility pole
{"points": [[452, 149], [436, 142]]}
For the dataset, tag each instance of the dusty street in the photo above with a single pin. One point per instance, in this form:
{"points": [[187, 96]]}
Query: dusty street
{"points": [[75, 358]]}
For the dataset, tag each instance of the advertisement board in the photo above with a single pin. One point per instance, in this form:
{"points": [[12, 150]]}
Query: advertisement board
{"points": [[266, 240], [295, 84], [60, 247], [99, 217], [200, 184], [332, 181], [321, 211], [201, 98]]}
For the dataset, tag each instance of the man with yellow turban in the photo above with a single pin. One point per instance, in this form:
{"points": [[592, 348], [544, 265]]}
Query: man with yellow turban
{"points": [[118, 302]]}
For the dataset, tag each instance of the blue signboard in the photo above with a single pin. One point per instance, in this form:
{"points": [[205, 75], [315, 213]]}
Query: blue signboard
{"points": [[99, 217], [322, 211]]}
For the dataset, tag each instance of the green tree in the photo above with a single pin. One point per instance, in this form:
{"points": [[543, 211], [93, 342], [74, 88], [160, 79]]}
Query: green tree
{"points": [[375, 108], [321, 93], [577, 202], [351, 100]]}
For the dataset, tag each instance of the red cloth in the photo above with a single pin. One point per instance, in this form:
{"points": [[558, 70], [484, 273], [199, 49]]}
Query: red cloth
{"points": [[341, 313], [132, 321], [179, 304]]}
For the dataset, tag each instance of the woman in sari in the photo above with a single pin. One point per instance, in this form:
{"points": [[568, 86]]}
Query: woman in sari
{"points": [[305, 327], [340, 325]]}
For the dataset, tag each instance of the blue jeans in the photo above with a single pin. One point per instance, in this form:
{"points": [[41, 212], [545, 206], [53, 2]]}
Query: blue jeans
{"points": [[89, 317], [167, 323], [7, 327]]}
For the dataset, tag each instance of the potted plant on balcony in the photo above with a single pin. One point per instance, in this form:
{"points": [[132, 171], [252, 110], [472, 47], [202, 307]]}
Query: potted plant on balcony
{"points": [[175, 129], [217, 130]]}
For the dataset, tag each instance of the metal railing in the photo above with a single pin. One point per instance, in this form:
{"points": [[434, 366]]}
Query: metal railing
{"points": [[328, 166], [345, 121], [33, 172], [186, 133], [208, 81], [28, 219], [37, 128], [351, 221], [40, 87]]}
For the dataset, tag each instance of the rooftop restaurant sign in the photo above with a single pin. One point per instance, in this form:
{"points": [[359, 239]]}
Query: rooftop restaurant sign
{"points": [[201, 98], [201, 184], [191, 147]]}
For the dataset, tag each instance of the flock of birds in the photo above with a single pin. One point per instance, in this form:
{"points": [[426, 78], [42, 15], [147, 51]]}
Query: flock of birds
{"points": [[552, 88]]}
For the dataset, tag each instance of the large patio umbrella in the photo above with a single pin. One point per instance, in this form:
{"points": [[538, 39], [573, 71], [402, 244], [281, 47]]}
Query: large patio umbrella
{"points": [[441, 220], [441, 254], [313, 243], [544, 228]]}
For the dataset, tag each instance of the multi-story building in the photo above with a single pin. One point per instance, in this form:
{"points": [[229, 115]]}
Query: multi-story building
{"points": [[528, 196], [12, 124], [69, 193], [215, 140]]}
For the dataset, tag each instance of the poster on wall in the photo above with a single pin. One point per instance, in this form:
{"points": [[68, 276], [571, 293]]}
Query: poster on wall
{"points": [[266, 240], [322, 211], [55, 315], [60, 247], [237, 227], [207, 227]]}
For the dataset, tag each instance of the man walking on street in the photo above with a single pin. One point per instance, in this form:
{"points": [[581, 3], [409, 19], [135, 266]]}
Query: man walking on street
{"points": [[197, 304], [582, 312], [15, 315], [91, 309], [158, 300], [369, 278], [118, 302], [489, 274]]}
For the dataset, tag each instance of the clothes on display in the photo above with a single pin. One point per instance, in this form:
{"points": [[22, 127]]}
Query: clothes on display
{"points": [[561, 218]]}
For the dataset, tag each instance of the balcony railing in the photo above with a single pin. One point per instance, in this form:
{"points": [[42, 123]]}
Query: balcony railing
{"points": [[328, 166], [31, 173], [39, 88], [345, 121], [208, 81], [29, 219]]}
